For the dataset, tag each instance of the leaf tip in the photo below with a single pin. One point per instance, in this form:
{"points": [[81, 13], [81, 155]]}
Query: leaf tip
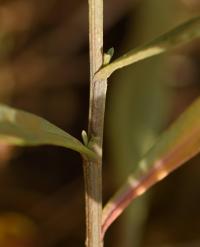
{"points": [[84, 137]]}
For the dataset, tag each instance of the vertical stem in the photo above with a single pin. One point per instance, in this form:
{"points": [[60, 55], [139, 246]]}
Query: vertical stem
{"points": [[93, 169]]}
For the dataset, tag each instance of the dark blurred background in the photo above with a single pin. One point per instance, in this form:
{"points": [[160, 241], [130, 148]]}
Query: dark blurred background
{"points": [[44, 69]]}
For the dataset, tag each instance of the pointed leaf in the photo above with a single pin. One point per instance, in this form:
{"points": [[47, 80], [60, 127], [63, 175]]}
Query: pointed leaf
{"points": [[175, 146], [22, 128], [178, 36]]}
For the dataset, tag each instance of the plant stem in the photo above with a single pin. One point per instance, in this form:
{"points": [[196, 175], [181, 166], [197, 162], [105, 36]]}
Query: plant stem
{"points": [[93, 168]]}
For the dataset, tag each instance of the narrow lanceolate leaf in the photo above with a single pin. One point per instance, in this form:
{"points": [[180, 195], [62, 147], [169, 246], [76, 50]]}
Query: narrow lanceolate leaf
{"points": [[175, 146], [178, 36], [22, 128]]}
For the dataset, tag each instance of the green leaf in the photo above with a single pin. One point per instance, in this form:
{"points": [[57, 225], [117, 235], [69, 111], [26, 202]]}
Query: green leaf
{"points": [[108, 56], [178, 36], [175, 146], [22, 128]]}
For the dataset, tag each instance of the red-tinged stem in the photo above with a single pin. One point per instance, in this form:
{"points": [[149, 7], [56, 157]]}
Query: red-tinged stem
{"points": [[183, 150]]}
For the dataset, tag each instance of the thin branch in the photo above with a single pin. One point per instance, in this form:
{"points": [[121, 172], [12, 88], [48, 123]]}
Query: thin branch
{"points": [[93, 169], [178, 36]]}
